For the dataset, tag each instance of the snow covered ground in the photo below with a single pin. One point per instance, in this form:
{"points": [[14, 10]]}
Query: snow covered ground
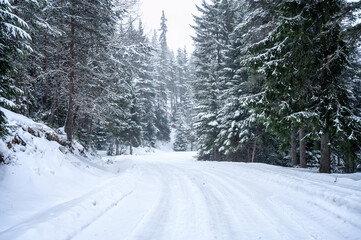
{"points": [[49, 194]]}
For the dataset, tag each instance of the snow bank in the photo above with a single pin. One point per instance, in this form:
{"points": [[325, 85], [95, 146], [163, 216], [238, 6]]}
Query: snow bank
{"points": [[45, 183], [65, 220]]}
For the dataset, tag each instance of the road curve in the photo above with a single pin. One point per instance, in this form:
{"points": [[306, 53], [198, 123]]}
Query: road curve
{"points": [[176, 197]]}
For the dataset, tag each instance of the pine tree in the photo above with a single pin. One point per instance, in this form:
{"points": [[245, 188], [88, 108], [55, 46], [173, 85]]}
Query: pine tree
{"points": [[162, 58], [181, 141], [285, 91], [303, 67], [14, 41], [145, 88], [181, 137], [89, 25], [211, 42], [244, 137], [28, 68]]}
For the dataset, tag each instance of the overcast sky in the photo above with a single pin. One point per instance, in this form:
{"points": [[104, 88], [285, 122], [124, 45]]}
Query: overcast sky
{"points": [[179, 15]]}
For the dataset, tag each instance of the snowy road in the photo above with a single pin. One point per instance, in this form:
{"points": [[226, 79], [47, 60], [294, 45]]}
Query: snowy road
{"points": [[172, 196], [177, 198]]}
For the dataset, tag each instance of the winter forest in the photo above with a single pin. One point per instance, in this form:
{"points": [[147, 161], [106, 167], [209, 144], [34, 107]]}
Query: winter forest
{"points": [[275, 82], [110, 131]]}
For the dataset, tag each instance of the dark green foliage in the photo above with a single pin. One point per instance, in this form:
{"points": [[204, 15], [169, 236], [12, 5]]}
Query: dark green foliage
{"points": [[304, 62], [13, 44], [3, 130], [281, 66], [212, 28], [181, 142]]}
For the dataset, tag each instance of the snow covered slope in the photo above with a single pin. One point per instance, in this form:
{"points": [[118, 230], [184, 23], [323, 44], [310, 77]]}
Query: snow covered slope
{"points": [[53, 195], [45, 187]]}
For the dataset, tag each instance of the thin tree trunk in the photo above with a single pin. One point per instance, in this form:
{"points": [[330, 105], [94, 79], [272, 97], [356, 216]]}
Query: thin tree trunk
{"points": [[90, 130], [293, 148], [16, 77], [325, 160], [70, 117], [214, 154], [54, 104], [254, 150], [117, 147], [130, 149], [248, 155], [46, 68], [303, 161]]}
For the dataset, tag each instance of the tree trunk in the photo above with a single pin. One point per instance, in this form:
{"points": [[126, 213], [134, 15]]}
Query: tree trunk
{"points": [[303, 161], [214, 154], [70, 117], [117, 147], [248, 154], [54, 104], [293, 148], [16, 77], [130, 149], [46, 68], [254, 150], [325, 161]]}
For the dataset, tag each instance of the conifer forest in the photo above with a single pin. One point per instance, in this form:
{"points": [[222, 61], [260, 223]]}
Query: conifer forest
{"points": [[276, 82]]}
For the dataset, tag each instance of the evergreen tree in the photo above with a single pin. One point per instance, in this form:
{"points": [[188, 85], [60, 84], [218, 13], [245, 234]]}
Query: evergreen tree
{"points": [[28, 68], [162, 121], [90, 23], [303, 69], [14, 41], [145, 88], [181, 139], [180, 143], [211, 42]]}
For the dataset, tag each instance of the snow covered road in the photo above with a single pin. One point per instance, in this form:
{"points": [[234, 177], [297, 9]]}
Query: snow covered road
{"points": [[172, 196], [175, 197]]}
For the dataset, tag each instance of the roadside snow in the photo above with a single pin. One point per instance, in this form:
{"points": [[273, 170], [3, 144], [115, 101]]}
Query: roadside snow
{"points": [[42, 177]]}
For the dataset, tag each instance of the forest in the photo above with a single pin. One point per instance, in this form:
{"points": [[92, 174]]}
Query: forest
{"points": [[270, 81]]}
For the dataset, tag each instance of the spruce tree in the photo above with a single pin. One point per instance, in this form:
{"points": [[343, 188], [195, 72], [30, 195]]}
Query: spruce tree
{"points": [[181, 134], [145, 89], [14, 41], [88, 25], [212, 43], [303, 68], [162, 76]]}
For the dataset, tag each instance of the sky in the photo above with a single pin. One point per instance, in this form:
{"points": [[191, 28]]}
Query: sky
{"points": [[179, 15]]}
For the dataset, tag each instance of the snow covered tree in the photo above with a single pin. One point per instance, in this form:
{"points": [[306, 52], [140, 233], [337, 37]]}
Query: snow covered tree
{"points": [[284, 93], [211, 42], [161, 68], [303, 63], [28, 68], [181, 141], [243, 136], [145, 89], [89, 24], [181, 135], [14, 41]]}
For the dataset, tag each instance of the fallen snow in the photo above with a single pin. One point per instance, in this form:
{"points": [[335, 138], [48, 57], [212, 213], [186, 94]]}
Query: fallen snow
{"points": [[49, 194]]}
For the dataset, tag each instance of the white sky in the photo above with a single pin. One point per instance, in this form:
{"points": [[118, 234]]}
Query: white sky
{"points": [[179, 15]]}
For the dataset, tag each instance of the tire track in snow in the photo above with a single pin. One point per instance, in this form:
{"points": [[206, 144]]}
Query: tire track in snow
{"points": [[245, 210], [316, 224], [177, 214], [70, 218], [210, 200]]}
